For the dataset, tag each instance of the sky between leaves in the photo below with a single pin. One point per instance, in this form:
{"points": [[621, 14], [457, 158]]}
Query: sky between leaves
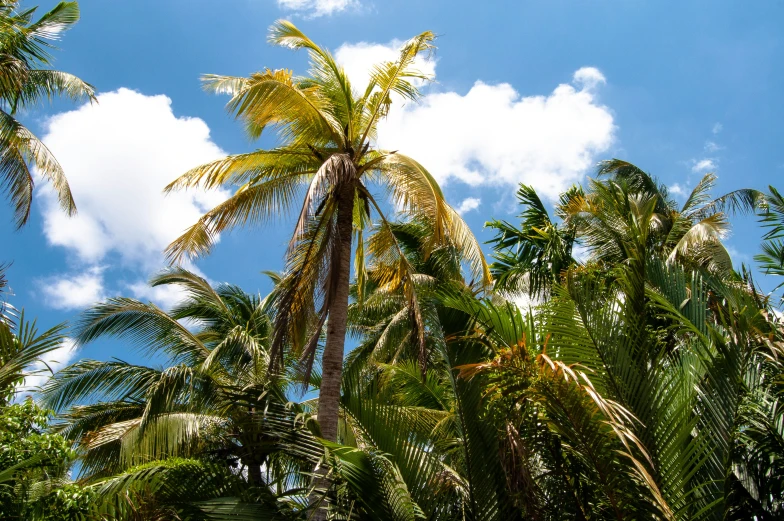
{"points": [[533, 92]]}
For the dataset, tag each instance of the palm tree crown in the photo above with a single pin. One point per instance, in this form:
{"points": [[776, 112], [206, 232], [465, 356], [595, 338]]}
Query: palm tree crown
{"points": [[326, 158]]}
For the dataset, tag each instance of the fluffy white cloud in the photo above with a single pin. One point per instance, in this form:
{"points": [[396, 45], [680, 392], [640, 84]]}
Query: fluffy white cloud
{"points": [[677, 189], [316, 8], [703, 165], [358, 60], [73, 291], [492, 135], [468, 204], [717, 127], [118, 155], [51, 363]]}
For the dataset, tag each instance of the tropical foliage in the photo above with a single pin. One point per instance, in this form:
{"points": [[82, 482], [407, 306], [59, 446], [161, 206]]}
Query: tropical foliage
{"points": [[25, 81], [643, 380], [327, 163]]}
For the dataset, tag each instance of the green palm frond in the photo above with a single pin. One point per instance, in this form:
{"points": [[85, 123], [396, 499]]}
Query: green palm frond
{"points": [[18, 149], [25, 80], [148, 328], [21, 348]]}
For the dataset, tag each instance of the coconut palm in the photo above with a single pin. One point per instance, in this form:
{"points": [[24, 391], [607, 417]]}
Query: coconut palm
{"points": [[212, 434], [622, 206], [21, 350], [625, 204], [215, 400], [25, 81], [327, 130]]}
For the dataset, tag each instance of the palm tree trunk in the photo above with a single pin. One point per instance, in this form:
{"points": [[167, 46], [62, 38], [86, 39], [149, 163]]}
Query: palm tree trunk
{"points": [[332, 359]]}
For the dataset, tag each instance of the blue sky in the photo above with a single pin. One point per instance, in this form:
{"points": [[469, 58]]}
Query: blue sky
{"points": [[525, 91]]}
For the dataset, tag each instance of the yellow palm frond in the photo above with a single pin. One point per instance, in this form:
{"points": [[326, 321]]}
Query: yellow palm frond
{"points": [[250, 204], [18, 148], [325, 72], [276, 98], [219, 84], [392, 271], [415, 191], [334, 172], [240, 169], [394, 77], [711, 229], [461, 236]]}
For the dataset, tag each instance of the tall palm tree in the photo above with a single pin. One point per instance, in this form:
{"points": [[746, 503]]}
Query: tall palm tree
{"points": [[327, 130], [25, 81]]}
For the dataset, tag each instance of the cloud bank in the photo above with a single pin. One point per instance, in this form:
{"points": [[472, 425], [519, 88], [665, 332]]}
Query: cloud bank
{"points": [[492, 135], [118, 155]]}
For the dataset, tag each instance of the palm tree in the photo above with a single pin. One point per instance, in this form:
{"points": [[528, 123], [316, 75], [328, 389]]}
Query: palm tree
{"points": [[213, 433], [630, 205], [210, 399], [532, 257], [772, 257], [25, 81], [623, 206], [327, 131], [21, 349]]}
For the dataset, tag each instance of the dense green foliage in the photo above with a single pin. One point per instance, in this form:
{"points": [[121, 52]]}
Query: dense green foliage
{"points": [[33, 466], [644, 381]]}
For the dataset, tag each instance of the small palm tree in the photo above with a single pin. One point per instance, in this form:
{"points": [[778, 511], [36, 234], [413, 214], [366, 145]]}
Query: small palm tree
{"points": [[627, 205], [209, 400], [622, 211], [327, 153], [26, 80], [533, 256]]}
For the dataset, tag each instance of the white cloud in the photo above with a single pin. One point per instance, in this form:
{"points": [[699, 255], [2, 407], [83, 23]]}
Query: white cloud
{"points": [[677, 189], [51, 363], [358, 60], [703, 165], [118, 155], [717, 127], [316, 8], [711, 146], [589, 77], [73, 291], [165, 297], [738, 257], [492, 135], [468, 204]]}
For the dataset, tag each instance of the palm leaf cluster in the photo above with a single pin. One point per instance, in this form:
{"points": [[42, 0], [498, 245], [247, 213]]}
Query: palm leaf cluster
{"points": [[327, 169], [645, 383], [26, 80]]}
